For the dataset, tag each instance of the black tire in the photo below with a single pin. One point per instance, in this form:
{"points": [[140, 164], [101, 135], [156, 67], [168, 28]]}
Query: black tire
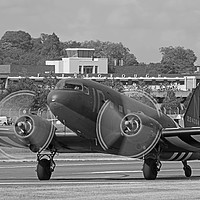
{"points": [[188, 171], [150, 169], [43, 169]]}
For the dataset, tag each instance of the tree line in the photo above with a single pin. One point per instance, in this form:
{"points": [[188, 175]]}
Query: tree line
{"points": [[19, 48]]}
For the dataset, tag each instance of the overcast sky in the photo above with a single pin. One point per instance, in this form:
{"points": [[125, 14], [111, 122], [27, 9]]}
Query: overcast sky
{"points": [[141, 25]]}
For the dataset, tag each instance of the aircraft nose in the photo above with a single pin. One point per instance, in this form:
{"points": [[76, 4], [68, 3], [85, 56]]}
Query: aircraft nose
{"points": [[57, 97], [62, 102], [58, 102], [65, 98], [52, 97]]}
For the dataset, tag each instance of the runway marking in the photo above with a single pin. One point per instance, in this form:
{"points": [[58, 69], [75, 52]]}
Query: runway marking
{"points": [[14, 167], [52, 182], [69, 164], [113, 172], [136, 171], [24, 159], [8, 165]]}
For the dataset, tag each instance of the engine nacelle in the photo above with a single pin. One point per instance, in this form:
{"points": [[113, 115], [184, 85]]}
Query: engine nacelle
{"points": [[34, 131], [134, 134]]}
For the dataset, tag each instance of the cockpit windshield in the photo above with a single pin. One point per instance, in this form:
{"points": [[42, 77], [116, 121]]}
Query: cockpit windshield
{"points": [[71, 86], [66, 85]]}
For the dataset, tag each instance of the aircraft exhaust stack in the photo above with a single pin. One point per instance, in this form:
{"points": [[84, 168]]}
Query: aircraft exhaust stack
{"points": [[35, 132]]}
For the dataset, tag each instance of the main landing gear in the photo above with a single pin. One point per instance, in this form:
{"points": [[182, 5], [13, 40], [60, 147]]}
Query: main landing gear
{"points": [[187, 169], [45, 166], [151, 167]]}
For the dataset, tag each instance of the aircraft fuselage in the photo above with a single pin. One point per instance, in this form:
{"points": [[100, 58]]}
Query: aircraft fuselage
{"points": [[78, 109], [77, 102]]}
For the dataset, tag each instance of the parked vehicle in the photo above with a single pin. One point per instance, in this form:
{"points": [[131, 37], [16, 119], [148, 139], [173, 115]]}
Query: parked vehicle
{"points": [[5, 120]]}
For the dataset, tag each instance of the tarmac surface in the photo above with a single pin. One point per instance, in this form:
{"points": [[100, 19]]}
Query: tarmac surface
{"points": [[96, 176]]}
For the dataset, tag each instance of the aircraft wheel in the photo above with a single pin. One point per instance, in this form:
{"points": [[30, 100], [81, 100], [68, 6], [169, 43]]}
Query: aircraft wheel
{"points": [[187, 170], [43, 169], [150, 169]]}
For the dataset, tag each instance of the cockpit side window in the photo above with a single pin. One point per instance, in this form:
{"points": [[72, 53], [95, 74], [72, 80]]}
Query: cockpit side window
{"points": [[85, 89]]}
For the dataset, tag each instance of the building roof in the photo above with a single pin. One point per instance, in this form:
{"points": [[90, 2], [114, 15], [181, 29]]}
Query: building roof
{"points": [[77, 49], [131, 71], [30, 70]]}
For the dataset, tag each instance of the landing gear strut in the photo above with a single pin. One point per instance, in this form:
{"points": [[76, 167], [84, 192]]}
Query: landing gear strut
{"points": [[45, 166], [187, 169], [151, 168]]}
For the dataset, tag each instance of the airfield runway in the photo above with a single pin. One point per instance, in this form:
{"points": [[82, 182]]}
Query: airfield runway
{"points": [[85, 176]]}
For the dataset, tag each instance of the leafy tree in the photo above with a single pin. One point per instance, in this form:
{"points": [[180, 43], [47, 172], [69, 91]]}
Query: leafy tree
{"points": [[30, 58], [187, 101], [17, 39], [113, 51], [41, 91], [43, 37], [118, 86], [71, 44], [13, 45], [40, 100], [1, 57], [114, 84], [153, 69], [37, 45], [108, 82], [22, 84], [17, 47], [11, 55], [130, 59], [170, 102], [51, 47], [177, 60]]}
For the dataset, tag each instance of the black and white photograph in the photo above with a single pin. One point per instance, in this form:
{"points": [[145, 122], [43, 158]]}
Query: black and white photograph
{"points": [[99, 99]]}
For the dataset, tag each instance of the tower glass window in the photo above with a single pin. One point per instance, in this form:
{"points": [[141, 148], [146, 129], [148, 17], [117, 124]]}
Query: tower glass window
{"points": [[96, 69], [80, 69]]}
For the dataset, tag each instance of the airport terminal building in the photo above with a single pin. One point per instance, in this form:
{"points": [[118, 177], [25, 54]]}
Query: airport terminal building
{"points": [[80, 62]]}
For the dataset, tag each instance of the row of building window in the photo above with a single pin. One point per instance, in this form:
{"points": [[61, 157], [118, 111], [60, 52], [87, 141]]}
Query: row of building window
{"points": [[88, 69]]}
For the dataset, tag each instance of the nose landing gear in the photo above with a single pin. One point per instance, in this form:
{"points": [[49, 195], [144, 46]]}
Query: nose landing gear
{"points": [[45, 166]]}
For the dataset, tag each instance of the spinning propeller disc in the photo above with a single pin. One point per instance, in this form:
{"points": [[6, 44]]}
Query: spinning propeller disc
{"points": [[13, 106], [132, 134], [145, 98]]}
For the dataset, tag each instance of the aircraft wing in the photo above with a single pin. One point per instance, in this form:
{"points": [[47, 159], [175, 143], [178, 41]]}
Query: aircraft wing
{"points": [[41, 134], [29, 131], [8, 138], [187, 139]]}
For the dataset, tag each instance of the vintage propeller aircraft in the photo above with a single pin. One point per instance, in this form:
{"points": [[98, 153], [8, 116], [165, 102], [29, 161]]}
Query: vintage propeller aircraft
{"points": [[106, 121]]}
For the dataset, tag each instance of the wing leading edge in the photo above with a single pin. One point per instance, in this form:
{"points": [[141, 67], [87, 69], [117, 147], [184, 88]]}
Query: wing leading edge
{"points": [[9, 139], [185, 139]]}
